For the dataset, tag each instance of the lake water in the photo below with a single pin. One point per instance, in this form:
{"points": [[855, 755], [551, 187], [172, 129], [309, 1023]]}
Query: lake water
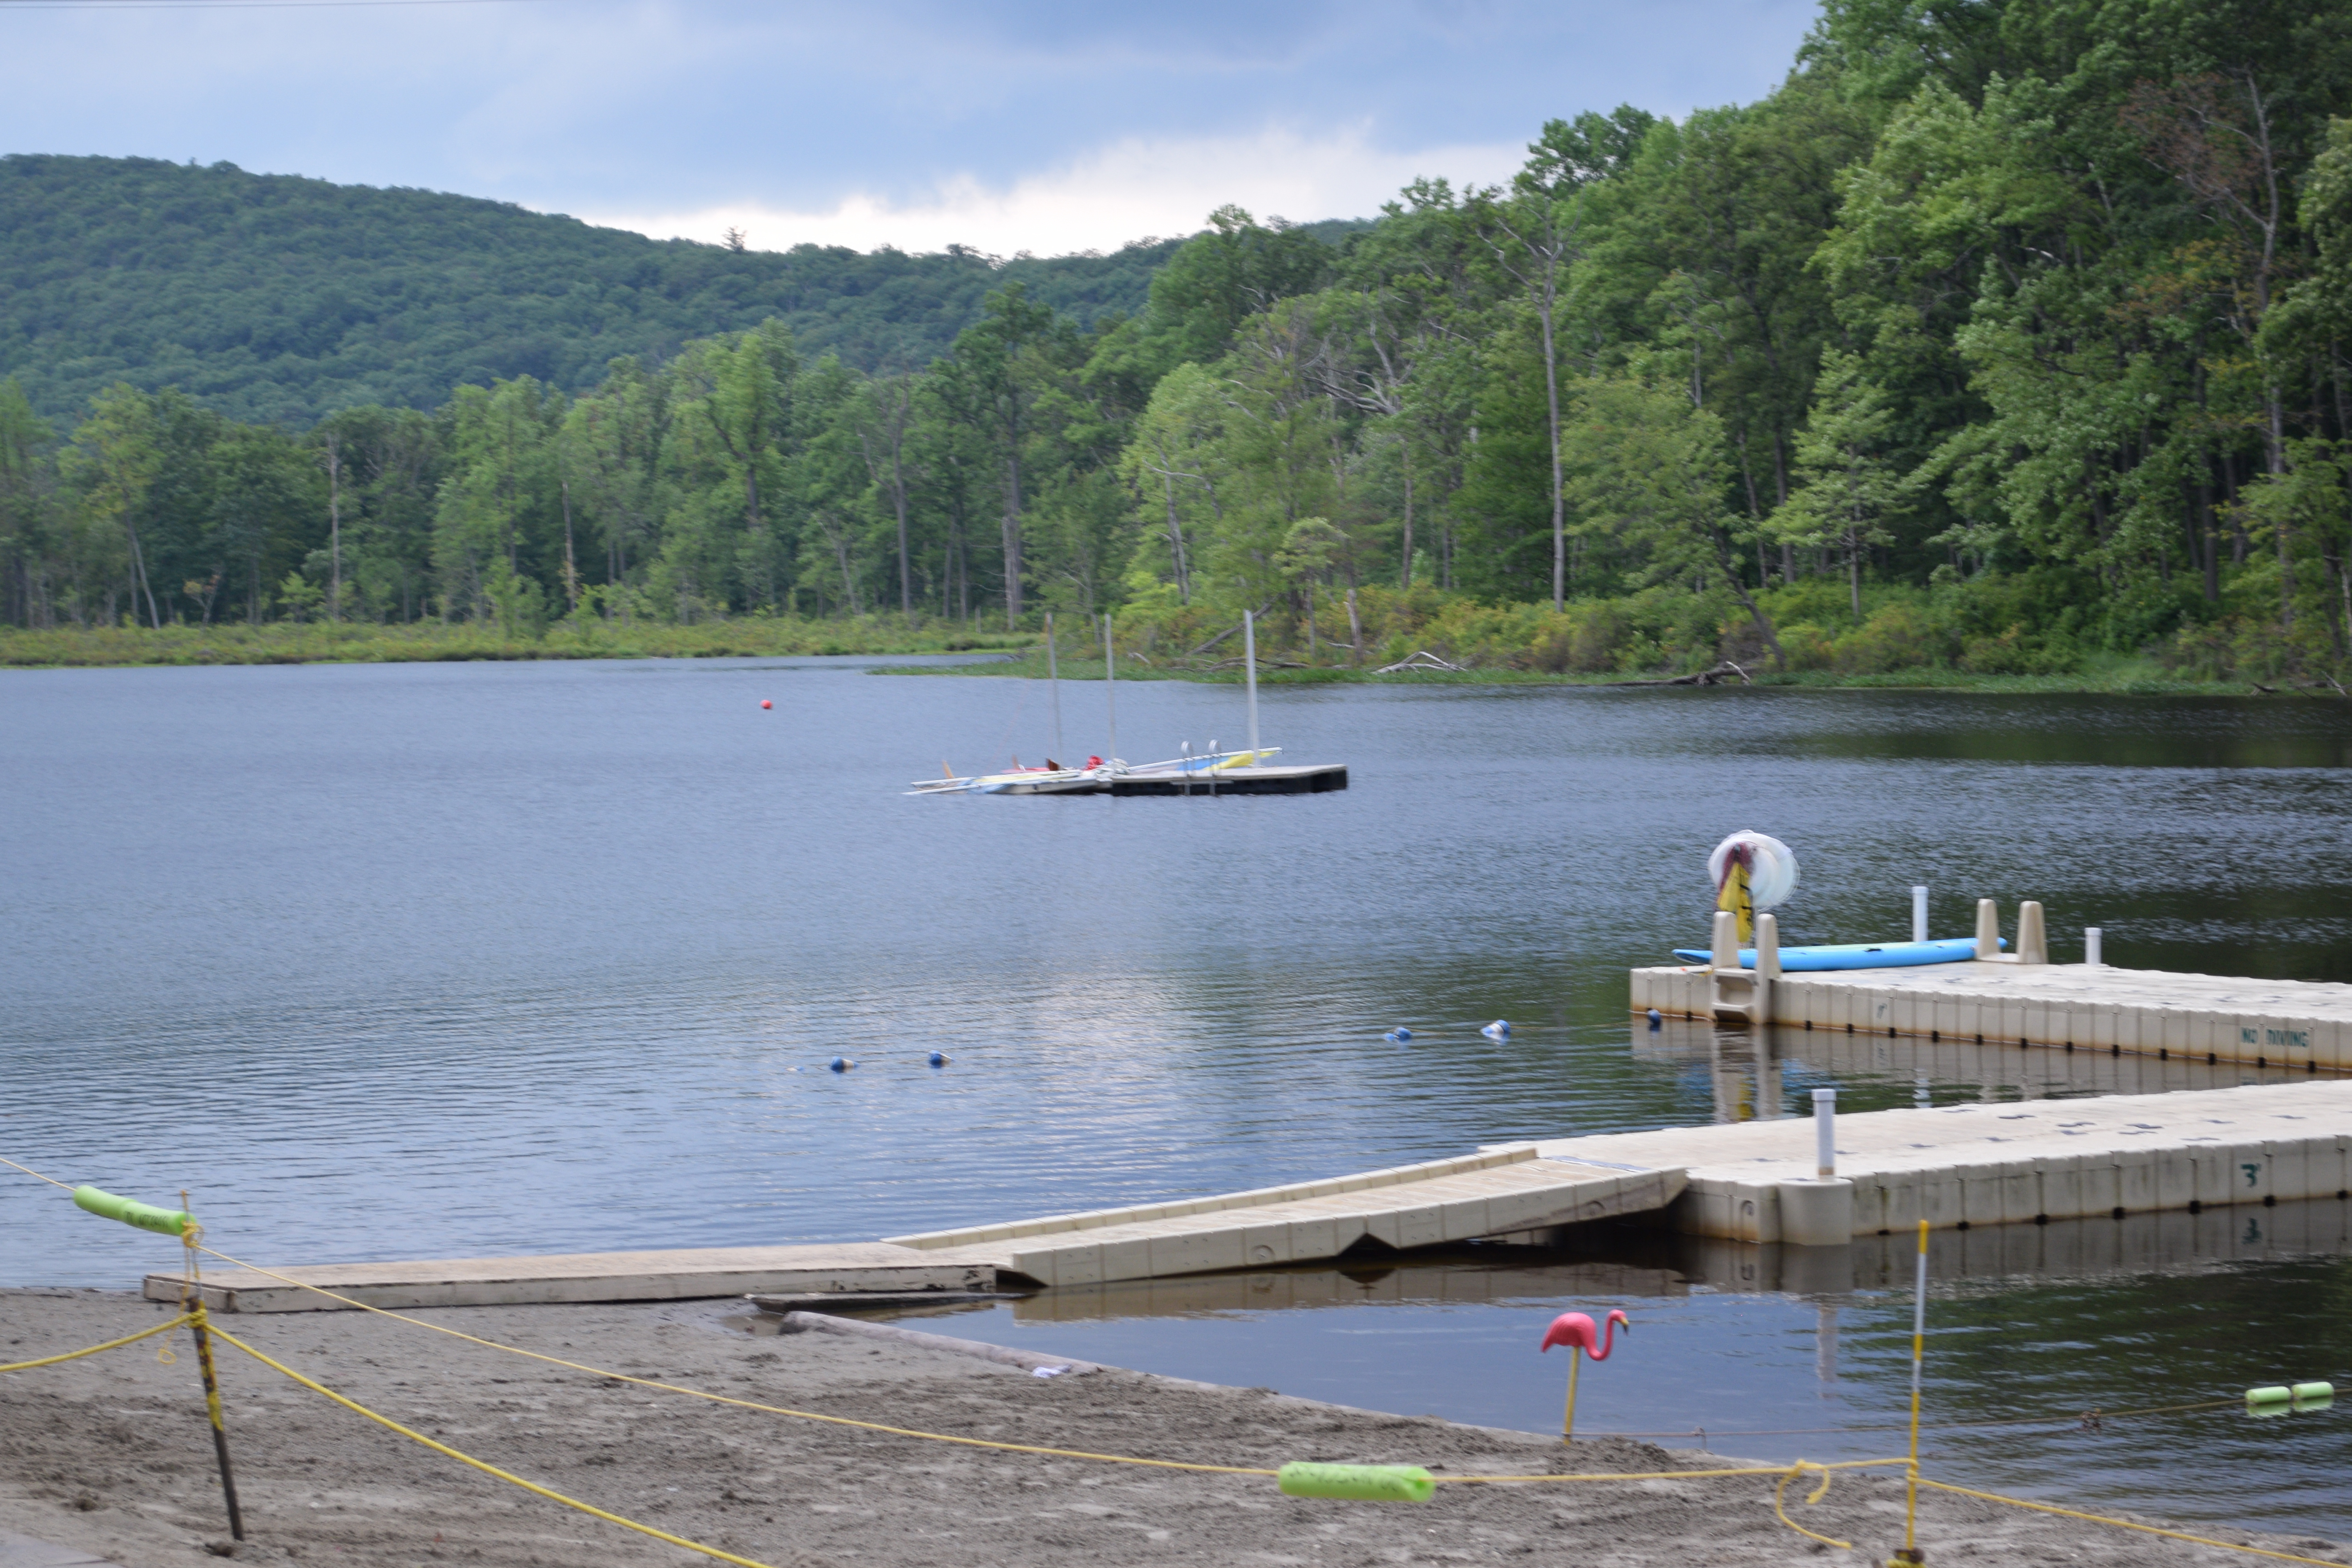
{"points": [[433, 960]]}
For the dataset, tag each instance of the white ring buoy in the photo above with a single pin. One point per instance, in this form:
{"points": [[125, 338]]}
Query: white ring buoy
{"points": [[1771, 868]]}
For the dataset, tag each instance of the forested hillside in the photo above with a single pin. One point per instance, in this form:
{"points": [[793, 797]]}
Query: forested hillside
{"points": [[2006, 337], [274, 298]]}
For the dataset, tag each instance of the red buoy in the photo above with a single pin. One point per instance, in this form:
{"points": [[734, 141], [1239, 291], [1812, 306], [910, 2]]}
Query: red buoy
{"points": [[765, 703]]}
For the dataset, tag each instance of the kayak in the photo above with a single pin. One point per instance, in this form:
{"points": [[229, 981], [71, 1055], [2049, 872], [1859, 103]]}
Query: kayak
{"points": [[1856, 955]]}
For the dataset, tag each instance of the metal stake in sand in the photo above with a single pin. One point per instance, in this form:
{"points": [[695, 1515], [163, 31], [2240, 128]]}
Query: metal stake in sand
{"points": [[180, 1223], [1110, 692], [193, 1285], [1910, 1555], [1054, 686], [1575, 1331], [1249, 676]]}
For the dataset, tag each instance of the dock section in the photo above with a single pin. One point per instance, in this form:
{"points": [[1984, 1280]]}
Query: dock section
{"points": [[2075, 1006], [1313, 778], [2001, 1162], [1515, 1190], [846, 1267]]}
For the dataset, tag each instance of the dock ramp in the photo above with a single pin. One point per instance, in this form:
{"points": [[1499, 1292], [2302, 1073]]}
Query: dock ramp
{"points": [[1512, 1192]]}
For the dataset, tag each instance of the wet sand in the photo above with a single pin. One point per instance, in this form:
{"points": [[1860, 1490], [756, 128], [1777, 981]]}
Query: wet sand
{"points": [[111, 1455]]}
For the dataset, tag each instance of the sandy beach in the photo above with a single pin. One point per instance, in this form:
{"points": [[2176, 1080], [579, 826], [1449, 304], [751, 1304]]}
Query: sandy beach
{"points": [[111, 1455]]}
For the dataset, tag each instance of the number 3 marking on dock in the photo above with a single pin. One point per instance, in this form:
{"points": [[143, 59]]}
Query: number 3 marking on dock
{"points": [[2253, 1175]]}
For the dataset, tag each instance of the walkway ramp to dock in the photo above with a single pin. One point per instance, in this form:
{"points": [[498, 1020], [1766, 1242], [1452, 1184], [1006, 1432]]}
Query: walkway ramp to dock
{"points": [[832, 1268], [1505, 1192]]}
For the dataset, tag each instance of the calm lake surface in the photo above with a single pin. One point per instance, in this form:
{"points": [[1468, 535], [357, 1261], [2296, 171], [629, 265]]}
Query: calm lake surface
{"points": [[435, 960]]}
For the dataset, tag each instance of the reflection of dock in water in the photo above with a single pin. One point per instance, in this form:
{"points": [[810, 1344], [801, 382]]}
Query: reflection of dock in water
{"points": [[1747, 1069]]}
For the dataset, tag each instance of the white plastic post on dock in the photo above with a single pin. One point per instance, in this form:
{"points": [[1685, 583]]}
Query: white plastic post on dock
{"points": [[1826, 1132], [1054, 685], [1768, 947], [1727, 941], [2032, 940], [1110, 689], [1919, 913], [1249, 676], [1988, 929], [2091, 935]]}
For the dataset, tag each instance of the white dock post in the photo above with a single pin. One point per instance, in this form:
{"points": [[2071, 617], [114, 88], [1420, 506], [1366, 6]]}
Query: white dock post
{"points": [[1919, 913], [2033, 941], [1054, 686], [1110, 690], [1820, 1212], [1727, 940], [2091, 935], [1249, 676], [1988, 929]]}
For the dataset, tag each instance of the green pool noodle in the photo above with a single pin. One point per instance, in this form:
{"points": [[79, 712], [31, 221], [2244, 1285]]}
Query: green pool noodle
{"points": [[2270, 1394], [1365, 1483], [2306, 1392], [146, 1217]]}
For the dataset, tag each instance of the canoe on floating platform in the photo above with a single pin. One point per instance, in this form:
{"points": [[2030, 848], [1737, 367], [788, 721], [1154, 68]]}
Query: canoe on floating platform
{"points": [[1856, 955]]}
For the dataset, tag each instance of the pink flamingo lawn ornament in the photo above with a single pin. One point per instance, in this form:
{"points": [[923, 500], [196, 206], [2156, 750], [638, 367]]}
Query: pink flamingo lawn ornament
{"points": [[1575, 1331]]}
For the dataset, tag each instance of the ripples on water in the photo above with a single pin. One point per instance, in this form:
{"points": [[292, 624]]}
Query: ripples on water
{"points": [[405, 961]]}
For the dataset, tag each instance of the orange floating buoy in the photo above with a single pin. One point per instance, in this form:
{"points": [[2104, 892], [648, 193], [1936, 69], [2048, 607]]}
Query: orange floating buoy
{"points": [[765, 703]]}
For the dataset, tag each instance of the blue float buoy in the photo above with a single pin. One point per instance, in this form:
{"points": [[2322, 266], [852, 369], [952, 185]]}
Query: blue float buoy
{"points": [[1657, 1018], [842, 1064], [1500, 1029], [1399, 1034], [938, 1059]]}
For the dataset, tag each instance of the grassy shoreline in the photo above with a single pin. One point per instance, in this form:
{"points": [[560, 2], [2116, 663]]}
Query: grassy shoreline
{"points": [[430, 641], [2119, 677]]}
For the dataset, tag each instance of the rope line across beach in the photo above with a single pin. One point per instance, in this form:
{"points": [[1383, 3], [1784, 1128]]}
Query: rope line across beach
{"points": [[197, 1318]]}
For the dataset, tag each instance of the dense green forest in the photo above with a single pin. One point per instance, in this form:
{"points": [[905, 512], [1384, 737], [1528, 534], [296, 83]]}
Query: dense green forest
{"points": [[2006, 337], [274, 298]]}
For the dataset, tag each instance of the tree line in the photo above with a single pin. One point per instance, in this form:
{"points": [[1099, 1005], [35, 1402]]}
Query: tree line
{"points": [[2005, 333]]}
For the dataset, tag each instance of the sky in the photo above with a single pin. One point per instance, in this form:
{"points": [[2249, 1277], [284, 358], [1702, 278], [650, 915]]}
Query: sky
{"points": [[1049, 126]]}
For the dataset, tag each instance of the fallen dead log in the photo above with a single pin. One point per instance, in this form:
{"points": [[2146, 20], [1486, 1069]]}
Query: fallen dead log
{"points": [[1715, 677]]}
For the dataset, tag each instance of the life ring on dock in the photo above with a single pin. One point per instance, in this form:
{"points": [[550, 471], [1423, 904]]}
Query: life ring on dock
{"points": [[1752, 871]]}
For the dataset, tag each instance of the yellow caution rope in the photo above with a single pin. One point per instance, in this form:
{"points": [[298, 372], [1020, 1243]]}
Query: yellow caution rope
{"points": [[109, 1345], [2127, 1524], [489, 1469]]}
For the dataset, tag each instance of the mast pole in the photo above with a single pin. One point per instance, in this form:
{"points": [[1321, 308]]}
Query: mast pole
{"points": [[1249, 677], [1111, 689], [1054, 685]]}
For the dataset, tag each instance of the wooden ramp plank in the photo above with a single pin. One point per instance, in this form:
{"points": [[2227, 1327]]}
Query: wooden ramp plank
{"points": [[665, 1276]]}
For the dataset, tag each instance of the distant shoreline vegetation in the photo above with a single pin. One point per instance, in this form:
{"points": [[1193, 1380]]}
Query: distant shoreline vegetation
{"points": [[2002, 341], [431, 642]]}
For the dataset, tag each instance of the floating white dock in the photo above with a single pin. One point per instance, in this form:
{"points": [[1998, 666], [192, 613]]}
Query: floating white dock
{"points": [[1753, 1183], [2078, 1006]]}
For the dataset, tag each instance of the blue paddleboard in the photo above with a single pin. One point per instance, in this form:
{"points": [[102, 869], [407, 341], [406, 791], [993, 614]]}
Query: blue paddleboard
{"points": [[1854, 955]]}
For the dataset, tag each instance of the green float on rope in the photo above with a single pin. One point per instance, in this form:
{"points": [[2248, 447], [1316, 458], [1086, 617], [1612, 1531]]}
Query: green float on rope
{"points": [[2272, 1393], [146, 1217], [1366, 1483], [2306, 1392]]}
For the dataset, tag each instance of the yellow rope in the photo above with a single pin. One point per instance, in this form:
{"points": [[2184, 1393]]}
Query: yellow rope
{"points": [[485, 1468], [2127, 1524], [1786, 1475], [1756, 1470], [1780, 1502], [35, 1174], [109, 1345], [748, 1403]]}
